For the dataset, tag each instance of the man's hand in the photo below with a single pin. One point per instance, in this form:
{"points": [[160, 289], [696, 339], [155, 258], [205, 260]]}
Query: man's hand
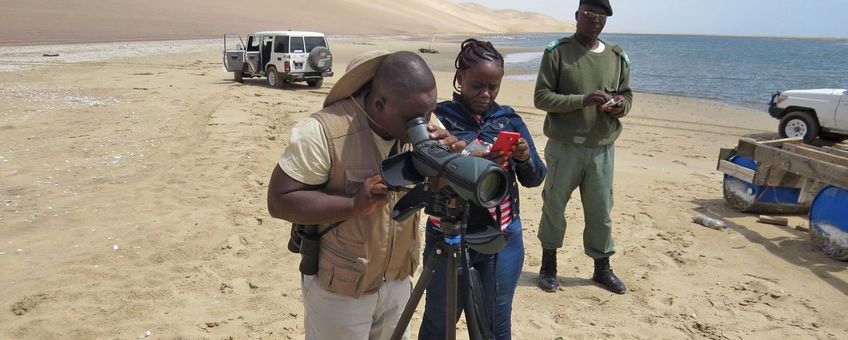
{"points": [[617, 108], [444, 137], [521, 151], [597, 98], [372, 195]]}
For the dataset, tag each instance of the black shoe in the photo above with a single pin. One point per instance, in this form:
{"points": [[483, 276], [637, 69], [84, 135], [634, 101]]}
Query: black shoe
{"points": [[604, 276], [548, 273]]}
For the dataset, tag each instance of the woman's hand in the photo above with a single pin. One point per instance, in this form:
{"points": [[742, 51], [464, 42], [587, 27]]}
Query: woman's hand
{"points": [[521, 151]]}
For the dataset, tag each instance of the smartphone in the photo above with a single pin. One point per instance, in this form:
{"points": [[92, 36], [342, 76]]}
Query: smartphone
{"points": [[506, 139], [613, 102]]}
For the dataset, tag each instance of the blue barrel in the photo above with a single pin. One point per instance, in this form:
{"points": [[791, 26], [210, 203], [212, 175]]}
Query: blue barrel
{"points": [[747, 197], [829, 222]]}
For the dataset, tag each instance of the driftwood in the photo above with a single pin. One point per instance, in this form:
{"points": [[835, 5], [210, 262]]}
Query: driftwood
{"points": [[781, 221]]}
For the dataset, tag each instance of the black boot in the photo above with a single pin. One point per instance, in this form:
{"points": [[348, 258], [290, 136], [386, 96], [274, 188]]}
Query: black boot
{"points": [[604, 276], [548, 273]]}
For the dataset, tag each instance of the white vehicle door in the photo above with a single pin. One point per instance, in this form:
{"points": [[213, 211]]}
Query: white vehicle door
{"points": [[299, 54], [311, 44], [267, 46], [842, 112], [233, 53], [281, 47], [253, 54]]}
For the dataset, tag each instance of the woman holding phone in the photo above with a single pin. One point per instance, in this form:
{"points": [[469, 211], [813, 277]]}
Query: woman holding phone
{"points": [[474, 116]]}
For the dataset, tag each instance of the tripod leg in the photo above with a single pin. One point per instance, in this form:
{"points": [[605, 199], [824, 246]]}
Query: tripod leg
{"points": [[450, 302], [417, 292], [471, 317], [476, 315]]}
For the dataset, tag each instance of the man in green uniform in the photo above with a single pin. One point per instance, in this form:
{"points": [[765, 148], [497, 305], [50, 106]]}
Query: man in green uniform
{"points": [[584, 86]]}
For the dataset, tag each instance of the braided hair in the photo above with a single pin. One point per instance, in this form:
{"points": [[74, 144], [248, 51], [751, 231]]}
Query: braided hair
{"points": [[474, 51]]}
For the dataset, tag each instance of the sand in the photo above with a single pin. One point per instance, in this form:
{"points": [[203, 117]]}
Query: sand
{"points": [[58, 21], [133, 190]]}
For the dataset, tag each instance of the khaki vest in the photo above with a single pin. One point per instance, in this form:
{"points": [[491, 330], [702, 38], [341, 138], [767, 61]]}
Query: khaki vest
{"points": [[357, 256]]}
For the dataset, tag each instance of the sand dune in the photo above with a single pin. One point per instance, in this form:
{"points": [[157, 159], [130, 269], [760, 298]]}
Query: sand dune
{"points": [[59, 21]]}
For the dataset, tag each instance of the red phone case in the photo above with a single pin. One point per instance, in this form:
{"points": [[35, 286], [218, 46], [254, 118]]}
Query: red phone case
{"points": [[506, 139]]}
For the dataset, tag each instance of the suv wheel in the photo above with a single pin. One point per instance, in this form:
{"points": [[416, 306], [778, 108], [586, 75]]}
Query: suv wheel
{"points": [[320, 59], [799, 124], [274, 79], [315, 82], [238, 77]]}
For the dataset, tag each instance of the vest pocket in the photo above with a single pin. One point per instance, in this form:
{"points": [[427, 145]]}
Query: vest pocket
{"points": [[413, 260], [339, 272]]}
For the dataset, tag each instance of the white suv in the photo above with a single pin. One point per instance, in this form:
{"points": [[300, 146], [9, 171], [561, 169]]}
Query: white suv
{"points": [[281, 56], [811, 113]]}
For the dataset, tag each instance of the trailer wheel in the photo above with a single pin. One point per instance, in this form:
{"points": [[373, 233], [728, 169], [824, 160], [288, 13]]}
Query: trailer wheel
{"points": [[738, 195], [830, 247], [274, 79], [238, 77], [829, 222], [315, 83], [799, 124]]}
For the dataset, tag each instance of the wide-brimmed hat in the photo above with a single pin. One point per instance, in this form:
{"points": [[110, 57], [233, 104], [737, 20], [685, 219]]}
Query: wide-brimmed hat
{"points": [[360, 70]]}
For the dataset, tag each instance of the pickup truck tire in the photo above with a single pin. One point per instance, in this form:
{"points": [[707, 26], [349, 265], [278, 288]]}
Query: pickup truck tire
{"points": [[799, 124], [238, 77], [274, 79], [315, 83], [320, 59]]}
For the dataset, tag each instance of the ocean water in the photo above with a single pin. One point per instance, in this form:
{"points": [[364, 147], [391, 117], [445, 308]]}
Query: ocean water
{"points": [[734, 70]]}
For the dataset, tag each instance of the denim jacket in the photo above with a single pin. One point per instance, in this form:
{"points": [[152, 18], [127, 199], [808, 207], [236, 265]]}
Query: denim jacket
{"points": [[460, 122]]}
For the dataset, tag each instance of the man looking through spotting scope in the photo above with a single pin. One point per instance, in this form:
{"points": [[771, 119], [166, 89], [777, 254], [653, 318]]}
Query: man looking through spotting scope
{"points": [[330, 173], [584, 86]]}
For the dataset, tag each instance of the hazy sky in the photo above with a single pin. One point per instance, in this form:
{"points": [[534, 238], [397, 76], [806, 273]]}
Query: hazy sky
{"points": [[820, 18]]}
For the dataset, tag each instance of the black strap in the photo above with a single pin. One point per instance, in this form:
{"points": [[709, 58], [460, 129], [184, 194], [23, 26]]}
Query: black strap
{"points": [[497, 289], [330, 228]]}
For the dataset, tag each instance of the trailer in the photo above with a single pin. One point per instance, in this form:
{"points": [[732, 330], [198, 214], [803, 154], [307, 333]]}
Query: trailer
{"points": [[786, 176]]}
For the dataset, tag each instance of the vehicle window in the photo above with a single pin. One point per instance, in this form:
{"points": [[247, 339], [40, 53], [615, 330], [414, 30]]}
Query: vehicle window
{"points": [[281, 45], [313, 42], [252, 44], [296, 45], [267, 43]]}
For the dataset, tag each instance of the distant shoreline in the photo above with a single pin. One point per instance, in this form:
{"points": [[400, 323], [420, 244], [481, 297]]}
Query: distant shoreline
{"points": [[443, 37], [733, 36], [17, 57]]}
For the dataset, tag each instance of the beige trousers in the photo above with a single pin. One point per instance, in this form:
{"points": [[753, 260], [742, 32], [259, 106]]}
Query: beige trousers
{"points": [[331, 316]]}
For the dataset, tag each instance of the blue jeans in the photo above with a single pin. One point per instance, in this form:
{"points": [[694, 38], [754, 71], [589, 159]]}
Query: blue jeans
{"points": [[498, 285]]}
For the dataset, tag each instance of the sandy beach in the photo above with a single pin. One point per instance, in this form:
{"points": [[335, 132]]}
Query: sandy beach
{"points": [[132, 199]]}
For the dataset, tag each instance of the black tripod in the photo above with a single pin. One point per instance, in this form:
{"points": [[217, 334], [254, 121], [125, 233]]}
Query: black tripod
{"points": [[453, 212]]}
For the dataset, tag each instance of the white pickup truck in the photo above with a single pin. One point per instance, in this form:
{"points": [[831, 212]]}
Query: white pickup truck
{"points": [[811, 113]]}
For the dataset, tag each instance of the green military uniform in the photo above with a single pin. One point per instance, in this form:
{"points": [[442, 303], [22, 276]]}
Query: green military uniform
{"points": [[580, 149]]}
